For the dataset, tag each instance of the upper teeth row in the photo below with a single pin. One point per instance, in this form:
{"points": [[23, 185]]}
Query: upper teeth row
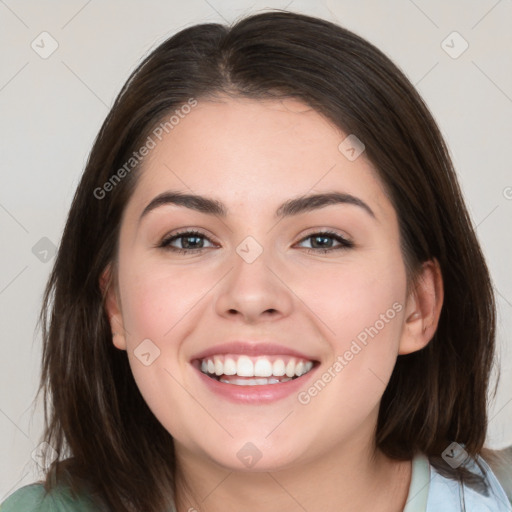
{"points": [[243, 366]]}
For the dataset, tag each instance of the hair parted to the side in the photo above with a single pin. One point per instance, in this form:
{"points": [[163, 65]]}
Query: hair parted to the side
{"points": [[95, 415]]}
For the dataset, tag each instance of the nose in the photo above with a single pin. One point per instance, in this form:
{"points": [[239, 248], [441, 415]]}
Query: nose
{"points": [[254, 291]]}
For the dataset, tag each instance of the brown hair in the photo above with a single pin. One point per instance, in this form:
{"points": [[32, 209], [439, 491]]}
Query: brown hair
{"points": [[97, 417]]}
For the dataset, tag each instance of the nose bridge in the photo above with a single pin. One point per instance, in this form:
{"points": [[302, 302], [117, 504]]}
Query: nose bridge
{"points": [[252, 268], [253, 287]]}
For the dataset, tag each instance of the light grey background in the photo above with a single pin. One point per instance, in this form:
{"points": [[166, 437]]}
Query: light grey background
{"points": [[51, 109]]}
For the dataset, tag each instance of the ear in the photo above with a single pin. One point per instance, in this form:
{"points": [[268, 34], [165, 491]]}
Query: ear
{"points": [[112, 307], [423, 309]]}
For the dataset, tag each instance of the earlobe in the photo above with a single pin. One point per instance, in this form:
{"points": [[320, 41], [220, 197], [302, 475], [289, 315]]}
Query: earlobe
{"points": [[423, 309], [112, 308], [119, 341]]}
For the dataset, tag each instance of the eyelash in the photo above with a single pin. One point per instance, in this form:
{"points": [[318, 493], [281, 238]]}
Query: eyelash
{"points": [[345, 244]]}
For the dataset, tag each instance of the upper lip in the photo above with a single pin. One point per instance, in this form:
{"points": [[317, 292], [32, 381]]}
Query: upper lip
{"points": [[254, 348]]}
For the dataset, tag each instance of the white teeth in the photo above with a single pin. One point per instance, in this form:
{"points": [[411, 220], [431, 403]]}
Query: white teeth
{"points": [[263, 368], [230, 366], [303, 368], [254, 382], [219, 367], [278, 368], [290, 368], [243, 366]]}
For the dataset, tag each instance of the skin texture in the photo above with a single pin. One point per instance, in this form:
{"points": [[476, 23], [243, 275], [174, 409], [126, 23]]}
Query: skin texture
{"points": [[253, 156]]}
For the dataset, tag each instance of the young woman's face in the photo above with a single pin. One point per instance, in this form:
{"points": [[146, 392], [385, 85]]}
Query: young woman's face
{"points": [[259, 274]]}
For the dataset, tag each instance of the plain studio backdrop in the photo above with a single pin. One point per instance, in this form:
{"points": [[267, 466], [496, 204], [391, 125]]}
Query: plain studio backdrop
{"points": [[63, 63]]}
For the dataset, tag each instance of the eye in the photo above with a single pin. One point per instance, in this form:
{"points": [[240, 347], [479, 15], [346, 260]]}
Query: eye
{"points": [[193, 242], [323, 240], [190, 241]]}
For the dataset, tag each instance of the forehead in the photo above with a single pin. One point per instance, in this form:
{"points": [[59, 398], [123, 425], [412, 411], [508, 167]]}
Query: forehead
{"points": [[256, 152]]}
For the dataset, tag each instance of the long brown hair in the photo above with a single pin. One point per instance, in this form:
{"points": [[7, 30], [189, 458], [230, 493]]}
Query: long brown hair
{"points": [[96, 418]]}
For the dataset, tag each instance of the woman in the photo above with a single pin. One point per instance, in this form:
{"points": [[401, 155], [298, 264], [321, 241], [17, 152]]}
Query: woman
{"points": [[268, 294]]}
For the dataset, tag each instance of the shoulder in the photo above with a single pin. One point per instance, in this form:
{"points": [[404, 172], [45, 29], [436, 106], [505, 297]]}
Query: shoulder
{"points": [[35, 498], [446, 494]]}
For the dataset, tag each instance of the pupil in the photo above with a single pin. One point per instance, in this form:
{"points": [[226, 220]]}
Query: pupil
{"points": [[187, 245], [324, 238]]}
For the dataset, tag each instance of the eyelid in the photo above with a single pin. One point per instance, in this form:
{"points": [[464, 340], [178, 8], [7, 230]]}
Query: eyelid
{"points": [[343, 241], [181, 233], [326, 231], [198, 231]]}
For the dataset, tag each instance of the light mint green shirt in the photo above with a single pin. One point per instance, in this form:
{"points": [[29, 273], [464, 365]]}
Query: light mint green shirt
{"points": [[33, 498], [429, 491]]}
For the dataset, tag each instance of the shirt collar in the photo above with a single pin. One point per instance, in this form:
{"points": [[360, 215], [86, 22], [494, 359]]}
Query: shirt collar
{"points": [[420, 483]]}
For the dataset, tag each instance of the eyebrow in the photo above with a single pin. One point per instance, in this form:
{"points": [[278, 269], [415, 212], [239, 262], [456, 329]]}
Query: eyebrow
{"points": [[289, 208]]}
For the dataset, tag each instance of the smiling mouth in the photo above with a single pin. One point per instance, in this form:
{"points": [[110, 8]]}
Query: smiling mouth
{"points": [[242, 370]]}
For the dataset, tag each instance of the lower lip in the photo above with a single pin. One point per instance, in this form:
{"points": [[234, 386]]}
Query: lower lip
{"points": [[264, 393]]}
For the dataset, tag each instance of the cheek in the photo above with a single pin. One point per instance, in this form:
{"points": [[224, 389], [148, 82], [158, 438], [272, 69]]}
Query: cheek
{"points": [[156, 297], [361, 308], [155, 311], [352, 296], [166, 399], [159, 302]]}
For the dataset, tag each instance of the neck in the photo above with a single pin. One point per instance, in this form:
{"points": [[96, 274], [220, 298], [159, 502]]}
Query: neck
{"points": [[349, 478]]}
